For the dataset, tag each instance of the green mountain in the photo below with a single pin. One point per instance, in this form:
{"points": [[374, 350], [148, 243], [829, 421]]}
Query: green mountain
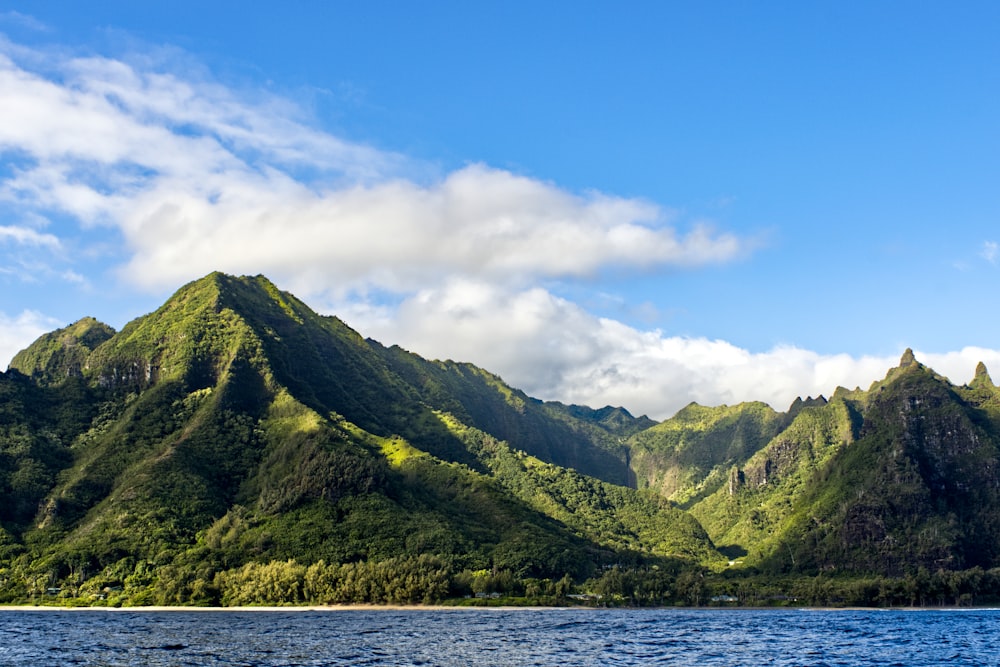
{"points": [[901, 477], [235, 447], [234, 438], [689, 456]]}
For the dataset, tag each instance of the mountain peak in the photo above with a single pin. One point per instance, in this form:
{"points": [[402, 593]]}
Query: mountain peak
{"points": [[908, 359], [217, 291], [809, 402], [62, 353], [982, 377]]}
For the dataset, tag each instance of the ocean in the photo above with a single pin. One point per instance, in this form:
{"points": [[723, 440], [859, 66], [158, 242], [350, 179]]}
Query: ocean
{"points": [[446, 637]]}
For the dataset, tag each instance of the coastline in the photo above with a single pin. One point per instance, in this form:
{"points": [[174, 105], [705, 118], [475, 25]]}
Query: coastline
{"points": [[158, 608], [296, 609], [428, 608]]}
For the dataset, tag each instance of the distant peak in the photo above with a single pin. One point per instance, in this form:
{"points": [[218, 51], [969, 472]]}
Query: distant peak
{"points": [[982, 377], [798, 404], [63, 352], [907, 359]]}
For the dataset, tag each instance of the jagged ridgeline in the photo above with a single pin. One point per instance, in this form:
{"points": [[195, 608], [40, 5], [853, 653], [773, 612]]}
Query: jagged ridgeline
{"points": [[234, 438], [236, 447], [898, 479]]}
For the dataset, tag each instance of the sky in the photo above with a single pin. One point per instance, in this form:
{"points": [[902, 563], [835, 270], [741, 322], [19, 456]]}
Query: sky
{"points": [[636, 203]]}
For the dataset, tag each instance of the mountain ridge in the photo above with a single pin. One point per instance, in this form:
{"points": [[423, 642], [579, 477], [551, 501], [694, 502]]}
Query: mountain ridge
{"points": [[234, 434], [235, 425]]}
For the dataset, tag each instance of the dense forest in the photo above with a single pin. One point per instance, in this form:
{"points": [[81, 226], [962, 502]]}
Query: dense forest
{"points": [[236, 448]]}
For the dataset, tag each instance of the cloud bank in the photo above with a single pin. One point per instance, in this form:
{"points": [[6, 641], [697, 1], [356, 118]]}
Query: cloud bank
{"points": [[553, 348], [191, 176]]}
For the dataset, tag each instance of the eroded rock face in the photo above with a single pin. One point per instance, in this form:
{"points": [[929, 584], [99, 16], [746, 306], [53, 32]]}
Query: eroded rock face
{"points": [[782, 457], [927, 423], [137, 373]]}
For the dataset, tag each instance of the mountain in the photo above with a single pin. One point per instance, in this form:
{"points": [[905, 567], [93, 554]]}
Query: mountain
{"points": [[63, 353], [689, 455], [235, 447], [234, 436], [890, 480]]}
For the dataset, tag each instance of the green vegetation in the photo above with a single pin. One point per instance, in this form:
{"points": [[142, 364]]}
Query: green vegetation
{"points": [[234, 447], [689, 456], [234, 444], [749, 515]]}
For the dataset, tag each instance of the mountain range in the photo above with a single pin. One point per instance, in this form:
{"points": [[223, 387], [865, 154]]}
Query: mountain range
{"points": [[235, 447]]}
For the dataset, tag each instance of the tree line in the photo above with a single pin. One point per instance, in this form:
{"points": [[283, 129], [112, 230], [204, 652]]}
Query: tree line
{"points": [[429, 579]]}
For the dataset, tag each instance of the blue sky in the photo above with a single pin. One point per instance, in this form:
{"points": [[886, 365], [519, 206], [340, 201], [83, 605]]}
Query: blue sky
{"points": [[629, 203]]}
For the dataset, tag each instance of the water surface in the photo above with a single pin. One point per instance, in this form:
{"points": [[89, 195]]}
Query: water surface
{"points": [[446, 637]]}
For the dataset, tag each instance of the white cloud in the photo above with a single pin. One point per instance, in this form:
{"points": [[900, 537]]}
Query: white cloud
{"points": [[990, 251], [554, 349], [960, 366], [16, 333], [23, 20], [477, 222], [200, 179], [27, 236]]}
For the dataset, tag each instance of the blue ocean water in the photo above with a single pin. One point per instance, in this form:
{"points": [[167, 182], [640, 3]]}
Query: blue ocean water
{"points": [[446, 637]]}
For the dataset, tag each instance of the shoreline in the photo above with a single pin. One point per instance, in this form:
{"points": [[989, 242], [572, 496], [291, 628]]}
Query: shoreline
{"points": [[427, 608], [295, 609], [159, 608]]}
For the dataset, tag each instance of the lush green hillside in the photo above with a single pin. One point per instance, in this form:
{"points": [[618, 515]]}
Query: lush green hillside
{"points": [[235, 447], [923, 483], [748, 513], [234, 436], [892, 480], [590, 441], [63, 353], [689, 456]]}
